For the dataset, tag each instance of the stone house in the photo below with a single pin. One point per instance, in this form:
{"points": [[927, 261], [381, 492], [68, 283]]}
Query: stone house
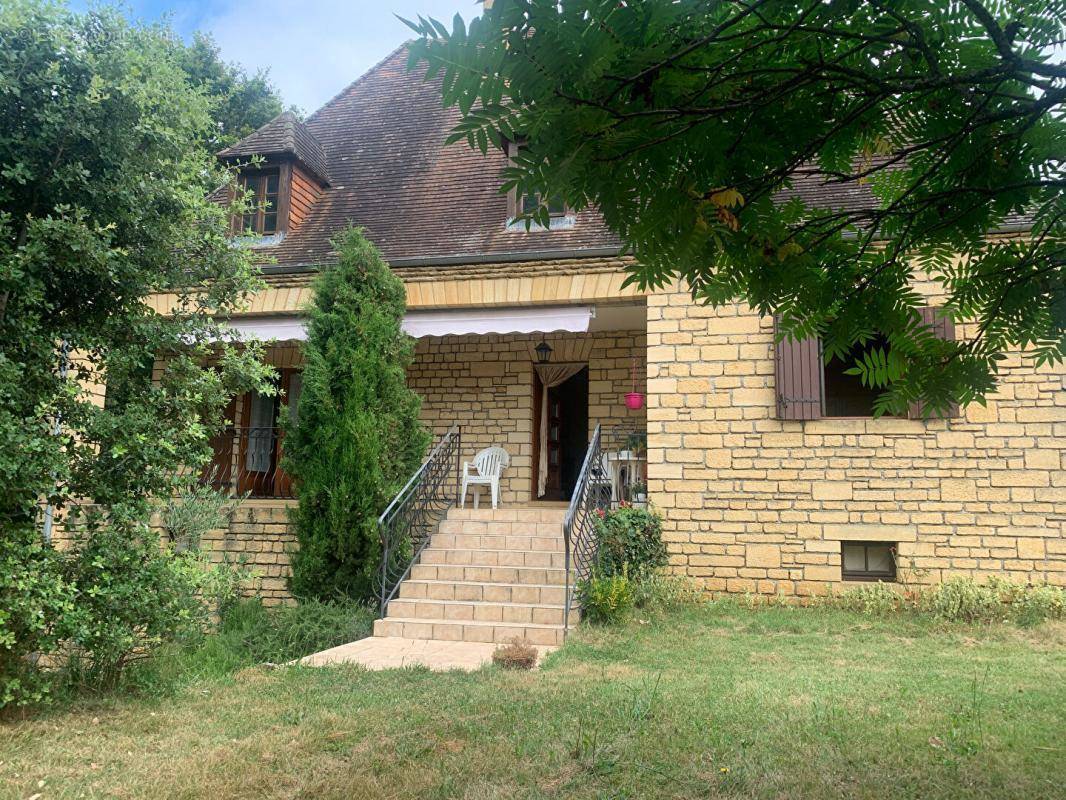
{"points": [[767, 465]]}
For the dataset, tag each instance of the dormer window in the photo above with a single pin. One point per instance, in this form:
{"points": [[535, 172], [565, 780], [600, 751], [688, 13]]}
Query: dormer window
{"points": [[282, 174], [558, 214], [261, 193]]}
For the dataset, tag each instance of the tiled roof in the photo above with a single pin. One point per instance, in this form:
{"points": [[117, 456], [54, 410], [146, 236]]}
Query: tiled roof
{"points": [[283, 135], [382, 144]]}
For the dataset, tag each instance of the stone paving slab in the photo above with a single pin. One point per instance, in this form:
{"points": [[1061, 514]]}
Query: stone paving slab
{"points": [[393, 652]]}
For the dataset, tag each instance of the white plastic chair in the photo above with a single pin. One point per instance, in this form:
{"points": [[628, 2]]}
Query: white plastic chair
{"points": [[490, 464]]}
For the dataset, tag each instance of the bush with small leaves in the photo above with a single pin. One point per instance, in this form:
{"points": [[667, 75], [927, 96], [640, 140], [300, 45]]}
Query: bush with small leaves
{"points": [[629, 538]]}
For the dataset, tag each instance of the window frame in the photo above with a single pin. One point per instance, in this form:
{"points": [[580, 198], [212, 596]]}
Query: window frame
{"points": [[283, 170], [867, 575], [259, 211], [516, 203]]}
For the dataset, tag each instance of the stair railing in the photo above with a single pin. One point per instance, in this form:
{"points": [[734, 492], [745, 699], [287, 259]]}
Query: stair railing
{"points": [[592, 494], [411, 518]]}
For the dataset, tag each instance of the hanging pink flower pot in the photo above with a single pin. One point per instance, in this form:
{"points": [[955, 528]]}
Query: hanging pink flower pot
{"points": [[635, 401]]}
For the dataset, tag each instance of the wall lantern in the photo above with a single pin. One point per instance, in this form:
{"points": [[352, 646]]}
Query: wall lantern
{"points": [[544, 352]]}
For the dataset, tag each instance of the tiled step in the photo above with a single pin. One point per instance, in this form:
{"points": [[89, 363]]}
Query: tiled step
{"points": [[494, 541], [488, 574], [493, 592], [550, 530], [460, 631], [552, 515], [492, 558], [477, 611]]}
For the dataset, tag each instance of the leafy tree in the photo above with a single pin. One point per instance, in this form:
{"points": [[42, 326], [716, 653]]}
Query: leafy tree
{"points": [[242, 102], [358, 437], [103, 186], [692, 124]]}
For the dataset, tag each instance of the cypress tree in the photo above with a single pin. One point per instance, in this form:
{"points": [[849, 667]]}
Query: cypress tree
{"points": [[356, 438]]}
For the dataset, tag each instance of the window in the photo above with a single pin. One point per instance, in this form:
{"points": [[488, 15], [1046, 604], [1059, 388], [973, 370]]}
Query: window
{"points": [[808, 388], [261, 193], [846, 395], [530, 201], [868, 561]]}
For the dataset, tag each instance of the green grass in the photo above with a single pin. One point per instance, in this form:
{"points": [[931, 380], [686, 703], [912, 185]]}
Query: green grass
{"points": [[715, 702]]}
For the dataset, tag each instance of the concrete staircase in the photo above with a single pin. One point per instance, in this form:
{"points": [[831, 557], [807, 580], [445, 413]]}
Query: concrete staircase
{"points": [[486, 576]]}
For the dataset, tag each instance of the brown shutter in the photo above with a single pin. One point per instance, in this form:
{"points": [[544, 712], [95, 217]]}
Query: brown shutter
{"points": [[943, 328], [799, 378]]}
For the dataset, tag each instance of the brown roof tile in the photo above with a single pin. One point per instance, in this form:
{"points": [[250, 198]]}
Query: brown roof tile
{"points": [[382, 144], [284, 135]]}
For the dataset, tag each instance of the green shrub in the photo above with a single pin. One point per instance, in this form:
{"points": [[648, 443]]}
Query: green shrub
{"points": [[186, 520], [357, 438], [664, 591], [36, 604], [606, 599], [629, 538], [132, 596]]}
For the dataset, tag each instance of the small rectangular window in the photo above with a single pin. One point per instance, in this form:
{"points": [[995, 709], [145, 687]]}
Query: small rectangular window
{"points": [[868, 561], [261, 194]]}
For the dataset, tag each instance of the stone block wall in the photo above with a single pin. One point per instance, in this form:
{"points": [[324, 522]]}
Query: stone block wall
{"points": [[485, 383], [261, 538], [753, 503]]}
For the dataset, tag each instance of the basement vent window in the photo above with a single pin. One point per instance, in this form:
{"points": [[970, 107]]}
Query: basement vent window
{"points": [[868, 561]]}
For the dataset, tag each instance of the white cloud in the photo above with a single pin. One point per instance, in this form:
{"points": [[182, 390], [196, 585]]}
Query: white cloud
{"points": [[314, 48]]}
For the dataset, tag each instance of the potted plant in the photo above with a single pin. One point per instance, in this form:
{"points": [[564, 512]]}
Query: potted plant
{"points": [[639, 493]]}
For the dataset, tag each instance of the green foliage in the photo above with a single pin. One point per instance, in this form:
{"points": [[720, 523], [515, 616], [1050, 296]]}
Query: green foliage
{"points": [[629, 538], [606, 599], [36, 600], [277, 635], [202, 509], [958, 599], [690, 126], [358, 438], [966, 600], [103, 202], [241, 102], [664, 591], [133, 596]]}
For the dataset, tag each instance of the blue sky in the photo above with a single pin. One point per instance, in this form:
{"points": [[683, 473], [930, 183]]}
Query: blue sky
{"points": [[313, 48]]}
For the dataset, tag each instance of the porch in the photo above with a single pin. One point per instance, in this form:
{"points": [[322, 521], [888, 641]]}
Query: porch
{"points": [[537, 394]]}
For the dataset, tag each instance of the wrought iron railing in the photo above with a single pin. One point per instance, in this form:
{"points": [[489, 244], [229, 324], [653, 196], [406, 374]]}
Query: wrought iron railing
{"points": [[246, 461], [613, 473], [412, 516], [579, 524]]}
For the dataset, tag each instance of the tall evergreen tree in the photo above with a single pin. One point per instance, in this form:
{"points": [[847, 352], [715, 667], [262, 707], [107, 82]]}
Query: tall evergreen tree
{"points": [[357, 438]]}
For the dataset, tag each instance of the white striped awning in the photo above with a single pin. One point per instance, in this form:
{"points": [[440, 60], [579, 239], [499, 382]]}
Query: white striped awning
{"points": [[458, 322]]}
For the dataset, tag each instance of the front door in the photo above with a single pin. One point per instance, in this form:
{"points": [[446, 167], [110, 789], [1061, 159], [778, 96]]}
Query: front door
{"points": [[568, 426]]}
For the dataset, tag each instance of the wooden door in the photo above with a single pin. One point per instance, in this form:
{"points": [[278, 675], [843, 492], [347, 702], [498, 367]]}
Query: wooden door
{"points": [[554, 485]]}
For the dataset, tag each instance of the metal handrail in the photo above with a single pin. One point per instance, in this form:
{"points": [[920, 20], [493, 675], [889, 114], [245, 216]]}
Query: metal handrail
{"points": [[579, 524], [407, 523]]}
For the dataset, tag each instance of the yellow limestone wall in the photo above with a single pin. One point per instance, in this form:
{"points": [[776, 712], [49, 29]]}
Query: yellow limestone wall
{"points": [[757, 504], [485, 383]]}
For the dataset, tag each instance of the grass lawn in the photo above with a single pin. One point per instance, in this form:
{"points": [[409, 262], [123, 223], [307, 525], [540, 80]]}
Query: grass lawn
{"points": [[715, 702]]}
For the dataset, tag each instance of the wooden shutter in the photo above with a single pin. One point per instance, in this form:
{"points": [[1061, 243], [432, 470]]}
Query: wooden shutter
{"points": [[943, 328], [800, 378]]}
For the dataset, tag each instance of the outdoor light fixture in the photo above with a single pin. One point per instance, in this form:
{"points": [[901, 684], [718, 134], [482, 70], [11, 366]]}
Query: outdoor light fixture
{"points": [[544, 352]]}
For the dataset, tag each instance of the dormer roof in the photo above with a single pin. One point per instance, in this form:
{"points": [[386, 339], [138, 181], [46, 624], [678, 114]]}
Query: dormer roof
{"points": [[284, 136]]}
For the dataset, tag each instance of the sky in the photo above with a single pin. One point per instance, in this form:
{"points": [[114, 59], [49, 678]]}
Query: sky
{"points": [[313, 48]]}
